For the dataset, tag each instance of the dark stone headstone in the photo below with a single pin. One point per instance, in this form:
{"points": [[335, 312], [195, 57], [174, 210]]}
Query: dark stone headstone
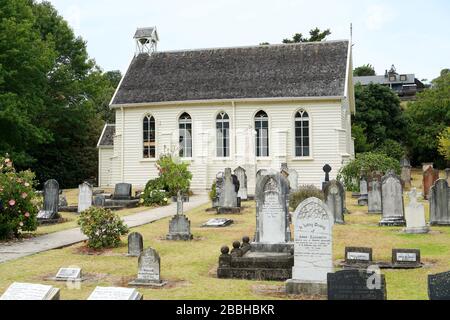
{"points": [[406, 257], [99, 201], [51, 201], [439, 286], [440, 203], [358, 255], [356, 285], [135, 244], [327, 169], [122, 191]]}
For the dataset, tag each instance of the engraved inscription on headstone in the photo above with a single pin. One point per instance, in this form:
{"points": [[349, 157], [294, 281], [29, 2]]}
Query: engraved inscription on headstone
{"points": [[149, 269], [30, 291]]}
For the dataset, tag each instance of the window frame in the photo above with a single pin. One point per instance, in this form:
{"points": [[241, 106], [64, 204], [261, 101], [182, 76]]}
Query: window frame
{"points": [[310, 136], [190, 157], [149, 159], [216, 120], [268, 136]]}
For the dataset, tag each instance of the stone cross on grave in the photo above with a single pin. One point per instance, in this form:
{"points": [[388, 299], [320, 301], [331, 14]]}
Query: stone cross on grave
{"points": [[327, 169], [179, 203]]}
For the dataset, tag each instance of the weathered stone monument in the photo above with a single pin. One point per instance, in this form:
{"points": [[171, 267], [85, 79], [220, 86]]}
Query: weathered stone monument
{"points": [[121, 198], [334, 193], [440, 203], [327, 169], [30, 291], [392, 201], [272, 214], [439, 286], [406, 173], [356, 285], [313, 248], [363, 192], [51, 201], [149, 269], [122, 191], [242, 177], [415, 215], [219, 189], [84, 196], [291, 175], [374, 193], [430, 176], [135, 244], [179, 225], [228, 198]]}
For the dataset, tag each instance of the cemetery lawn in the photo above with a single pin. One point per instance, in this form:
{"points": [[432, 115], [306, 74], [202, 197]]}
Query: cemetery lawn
{"points": [[190, 267]]}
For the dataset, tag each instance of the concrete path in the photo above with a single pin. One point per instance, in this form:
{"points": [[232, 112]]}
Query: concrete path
{"points": [[15, 250]]}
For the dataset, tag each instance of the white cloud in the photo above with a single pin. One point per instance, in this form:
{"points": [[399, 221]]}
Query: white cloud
{"points": [[378, 16]]}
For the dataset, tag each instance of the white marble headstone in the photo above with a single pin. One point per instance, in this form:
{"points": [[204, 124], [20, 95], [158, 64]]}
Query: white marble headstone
{"points": [[114, 293], [313, 241], [415, 215], [29, 291], [84, 196]]}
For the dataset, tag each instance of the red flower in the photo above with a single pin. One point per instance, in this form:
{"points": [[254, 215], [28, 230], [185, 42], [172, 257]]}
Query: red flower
{"points": [[27, 214]]}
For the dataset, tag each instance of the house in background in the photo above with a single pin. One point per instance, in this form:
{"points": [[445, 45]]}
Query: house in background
{"points": [[255, 107], [405, 85]]}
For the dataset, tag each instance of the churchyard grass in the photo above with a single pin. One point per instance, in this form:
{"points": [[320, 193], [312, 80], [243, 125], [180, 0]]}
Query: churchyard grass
{"points": [[190, 267]]}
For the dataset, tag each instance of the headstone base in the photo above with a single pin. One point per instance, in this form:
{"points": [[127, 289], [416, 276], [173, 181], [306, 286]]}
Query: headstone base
{"points": [[440, 223], [355, 195], [363, 202], [416, 230], [50, 221], [272, 247], [179, 236], [306, 287], [392, 222], [144, 283], [224, 210]]}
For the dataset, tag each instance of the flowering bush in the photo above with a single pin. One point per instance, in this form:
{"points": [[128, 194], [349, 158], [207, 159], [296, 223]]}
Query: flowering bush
{"points": [[103, 227], [303, 193], [174, 176], [18, 201], [154, 197]]}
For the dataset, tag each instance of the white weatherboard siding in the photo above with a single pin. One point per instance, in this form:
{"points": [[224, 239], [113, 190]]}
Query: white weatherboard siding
{"points": [[105, 156], [330, 140]]}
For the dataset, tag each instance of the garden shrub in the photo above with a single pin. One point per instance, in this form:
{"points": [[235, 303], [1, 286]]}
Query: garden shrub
{"points": [[367, 162], [213, 192], [154, 196], [174, 176], [18, 200], [102, 227], [303, 193]]}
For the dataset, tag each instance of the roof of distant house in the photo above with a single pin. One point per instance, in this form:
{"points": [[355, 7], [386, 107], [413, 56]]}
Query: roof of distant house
{"points": [[385, 79], [107, 136], [316, 69]]}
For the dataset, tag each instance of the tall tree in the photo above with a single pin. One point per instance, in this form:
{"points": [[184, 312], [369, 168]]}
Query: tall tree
{"points": [[379, 113], [364, 70], [428, 116], [315, 36]]}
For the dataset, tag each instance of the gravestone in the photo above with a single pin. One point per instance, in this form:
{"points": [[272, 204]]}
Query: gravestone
{"points": [[356, 285], [392, 201], [62, 201], [334, 193], [242, 177], [374, 193], [363, 199], [439, 286], [291, 175], [148, 269], [313, 248], [122, 191], [217, 223], [272, 214], [358, 256], [51, 201], [447, 175], [69, 274], [30, 291], [440, 203], [327, 169], [84, 197], [407, 258], [135, 244], [430, 176], [179, 225], [415, 215], [228, 199], [406, 173], [259, 174], [99, 200], [427, 165], [115, 293]]}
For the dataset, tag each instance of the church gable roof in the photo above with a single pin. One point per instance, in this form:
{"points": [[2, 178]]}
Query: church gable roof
{"points": [[288, 70], [107, 136]]}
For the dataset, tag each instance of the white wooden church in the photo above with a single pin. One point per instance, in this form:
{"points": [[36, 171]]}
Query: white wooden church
{"points": [[254, 107]]}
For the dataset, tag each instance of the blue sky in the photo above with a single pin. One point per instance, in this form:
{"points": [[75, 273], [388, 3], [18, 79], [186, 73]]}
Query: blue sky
{"points": [[414, 35]]}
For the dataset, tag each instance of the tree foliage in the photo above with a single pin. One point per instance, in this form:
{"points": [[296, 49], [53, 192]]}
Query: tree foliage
{"points": [[379, 113], [53, 98], [316, 35], [364, 70], [428, 116], [444, 143]]}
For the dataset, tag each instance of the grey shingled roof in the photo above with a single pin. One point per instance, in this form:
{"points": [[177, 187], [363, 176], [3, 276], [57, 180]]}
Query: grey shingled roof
{"points": [[287, 70], [107, 138], [143, 32]]}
